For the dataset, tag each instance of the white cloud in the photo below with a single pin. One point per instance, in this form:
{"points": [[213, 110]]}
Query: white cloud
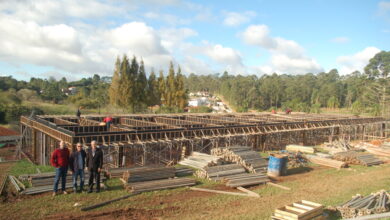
{"points": [[384, 7], [350, 63], [287, 56], [340, 40], [235, 18], [51, 12]]}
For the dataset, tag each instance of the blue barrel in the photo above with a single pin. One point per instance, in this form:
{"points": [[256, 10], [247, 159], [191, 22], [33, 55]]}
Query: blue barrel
{"points": [[277, 166]]}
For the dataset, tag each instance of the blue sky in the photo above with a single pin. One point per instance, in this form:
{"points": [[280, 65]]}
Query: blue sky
{"points": [[76, 39]]}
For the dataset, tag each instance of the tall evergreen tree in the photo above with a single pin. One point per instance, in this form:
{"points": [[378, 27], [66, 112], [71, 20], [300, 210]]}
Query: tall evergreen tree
{"points": [[153, 92], [126, 84], [171, 87], [114, 90]]}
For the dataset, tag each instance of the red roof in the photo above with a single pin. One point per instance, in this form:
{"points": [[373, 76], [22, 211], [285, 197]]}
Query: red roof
{"points": [[7, 132]]}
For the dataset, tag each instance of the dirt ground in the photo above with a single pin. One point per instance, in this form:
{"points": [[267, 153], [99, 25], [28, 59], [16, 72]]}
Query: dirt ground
{"points": [[324, 185]]}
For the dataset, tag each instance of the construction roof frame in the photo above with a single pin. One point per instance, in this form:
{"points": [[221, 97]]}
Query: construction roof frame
{"points": [[152, 127]]}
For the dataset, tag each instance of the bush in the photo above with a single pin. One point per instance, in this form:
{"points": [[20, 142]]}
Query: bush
{"points": [[201, 109]]}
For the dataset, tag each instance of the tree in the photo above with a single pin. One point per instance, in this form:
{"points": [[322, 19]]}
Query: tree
{"points": [[114, 90], [153, 92], [378, 70]]}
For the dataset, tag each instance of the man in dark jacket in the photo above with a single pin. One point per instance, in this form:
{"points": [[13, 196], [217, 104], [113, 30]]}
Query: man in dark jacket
{"points": [[77, 165], [94, 164], [60, 160]]}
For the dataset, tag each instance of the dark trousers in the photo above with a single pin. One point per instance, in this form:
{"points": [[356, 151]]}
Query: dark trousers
{"points": [[94, 175], [60, 174], [78, 173]]}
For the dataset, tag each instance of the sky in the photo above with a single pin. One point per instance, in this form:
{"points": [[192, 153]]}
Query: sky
{"points": [[76, 39]]}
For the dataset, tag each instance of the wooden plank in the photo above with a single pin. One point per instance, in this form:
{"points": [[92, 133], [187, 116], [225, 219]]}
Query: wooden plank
{"points": [[302, 206], [221, 192], [279, 186], [295, 209], [290, 213], [248, 191], [305, 202]]}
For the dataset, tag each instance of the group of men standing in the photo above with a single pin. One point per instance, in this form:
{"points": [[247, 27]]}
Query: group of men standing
{"points": [[78, 161]]}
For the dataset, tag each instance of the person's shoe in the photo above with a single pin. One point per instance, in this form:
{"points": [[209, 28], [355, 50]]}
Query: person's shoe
{"points": [[89, 191], [65, 192], [54, 194]]}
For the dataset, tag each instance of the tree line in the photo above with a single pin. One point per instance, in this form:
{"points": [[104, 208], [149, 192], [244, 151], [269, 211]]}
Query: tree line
{"points": [[366, 91], [131, 89]]}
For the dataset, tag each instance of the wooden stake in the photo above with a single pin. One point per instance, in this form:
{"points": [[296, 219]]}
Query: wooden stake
{"points": [[279, 186], [223, 192]]}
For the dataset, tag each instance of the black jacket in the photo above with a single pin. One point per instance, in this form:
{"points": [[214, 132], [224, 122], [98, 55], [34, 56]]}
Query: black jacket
{"points": [[73, 160], [94, 162]]}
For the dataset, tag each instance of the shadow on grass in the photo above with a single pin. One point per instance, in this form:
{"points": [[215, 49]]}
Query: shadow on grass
{"points": [[297, 170]]}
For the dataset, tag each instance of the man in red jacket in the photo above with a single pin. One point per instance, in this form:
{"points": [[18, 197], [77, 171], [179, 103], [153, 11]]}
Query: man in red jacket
{"points": [[59, 160]]}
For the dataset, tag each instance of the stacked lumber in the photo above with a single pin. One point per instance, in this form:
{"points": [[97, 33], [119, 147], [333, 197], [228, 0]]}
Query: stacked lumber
{"points": [[299, 148], [183, 171], [116, 172], [216, 172], [200, 160], [301, 210], [44, 179], [341, 145], [43, 182], [367, 205], [354, 157], [160, 184], [246, 179], [243, 155], [45, 188], [142, 174], [326, 162], [384, 150]]}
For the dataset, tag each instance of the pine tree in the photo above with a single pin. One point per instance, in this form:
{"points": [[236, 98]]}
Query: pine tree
{"points": [[126, 85], [153, 92], [141, 87], [180, 93], [114, 90], [171, 88], [162, 88]]}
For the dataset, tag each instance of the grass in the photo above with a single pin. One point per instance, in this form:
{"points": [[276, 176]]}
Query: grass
{"points": [[323, 185], [25, 167]]}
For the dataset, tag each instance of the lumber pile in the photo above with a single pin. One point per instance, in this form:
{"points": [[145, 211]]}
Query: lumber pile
{"points": [[43, 182], [217, 172], [116, 172], [183, 171], [142, 174], [301, 210], [299, 148], [360, 206], [160, 184], [45, 179], [327, 162], [339, 145], [383, 150], [233, 175], [244, 156], [200, 160], [354, 157], [246, 179]]}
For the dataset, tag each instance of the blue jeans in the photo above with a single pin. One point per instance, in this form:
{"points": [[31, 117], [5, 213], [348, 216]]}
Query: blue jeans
{"points": [[79, 172], [60, 173]]}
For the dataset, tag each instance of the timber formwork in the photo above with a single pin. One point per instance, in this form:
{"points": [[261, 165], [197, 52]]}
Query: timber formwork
{"points": [[165, 138]]}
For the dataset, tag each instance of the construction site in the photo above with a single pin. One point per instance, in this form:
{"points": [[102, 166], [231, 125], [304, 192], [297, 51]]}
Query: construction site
{"points": [[192, 166], [139, 140]]}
